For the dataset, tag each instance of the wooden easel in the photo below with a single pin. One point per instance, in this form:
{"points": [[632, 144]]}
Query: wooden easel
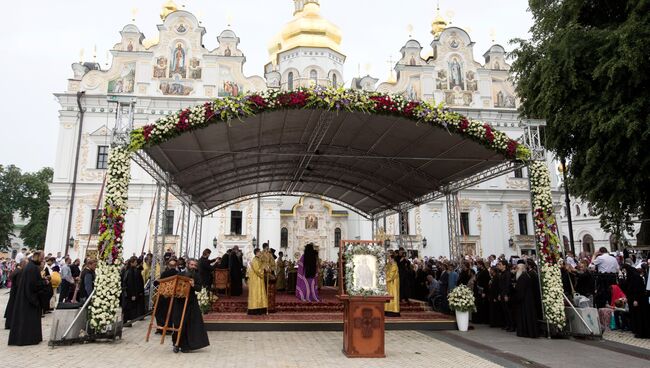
{"points": [[171, 287]]}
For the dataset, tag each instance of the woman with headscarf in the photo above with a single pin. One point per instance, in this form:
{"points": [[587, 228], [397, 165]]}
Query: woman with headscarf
{"points": [[307, 284]]}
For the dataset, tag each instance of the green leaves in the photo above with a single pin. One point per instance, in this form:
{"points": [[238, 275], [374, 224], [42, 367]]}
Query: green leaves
{"points": [[26, 194], [585, 71]]}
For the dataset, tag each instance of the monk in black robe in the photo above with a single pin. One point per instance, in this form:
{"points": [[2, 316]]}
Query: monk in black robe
{"points": [[163, 302], [496, 316], [235, 269], [133, 291], [206, 269], [634, 287], [193, 334], [405, 275], [505, 286], [27, 310], [524, 303], [482, 300], [15, 279]]}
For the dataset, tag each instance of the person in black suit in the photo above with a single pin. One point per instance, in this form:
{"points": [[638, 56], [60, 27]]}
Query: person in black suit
{"points": [[505, 286]]}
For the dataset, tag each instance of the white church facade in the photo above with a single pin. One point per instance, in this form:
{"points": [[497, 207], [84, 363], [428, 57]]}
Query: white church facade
{"points": [[174, 70]]}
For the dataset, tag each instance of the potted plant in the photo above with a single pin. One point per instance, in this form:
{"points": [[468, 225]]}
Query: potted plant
{"points": [[461, 300]]}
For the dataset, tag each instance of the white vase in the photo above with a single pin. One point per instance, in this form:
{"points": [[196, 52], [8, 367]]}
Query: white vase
{"points": [[462, 320]]}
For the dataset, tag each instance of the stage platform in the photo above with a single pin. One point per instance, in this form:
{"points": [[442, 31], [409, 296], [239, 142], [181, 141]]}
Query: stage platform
{"points": [[229, 314]]}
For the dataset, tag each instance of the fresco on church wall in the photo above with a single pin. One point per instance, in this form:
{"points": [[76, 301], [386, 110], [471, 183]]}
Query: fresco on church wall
{"points": [[412, 91], [125, 81], [160, 69], [228, 87], [457, 97], [472, 83], [175, 88], [195, 68], [455, 73], [177, 65], [441, 80], [504, 99], [311, 222]]}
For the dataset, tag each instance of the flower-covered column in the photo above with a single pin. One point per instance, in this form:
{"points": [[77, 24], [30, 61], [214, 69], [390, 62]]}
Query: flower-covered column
{"points": [[547, 243], [104, 305]]}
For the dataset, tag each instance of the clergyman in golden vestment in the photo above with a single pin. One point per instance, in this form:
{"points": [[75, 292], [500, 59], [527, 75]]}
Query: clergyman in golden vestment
{"points": [[268, 263], [257, 301], [392, 286]]}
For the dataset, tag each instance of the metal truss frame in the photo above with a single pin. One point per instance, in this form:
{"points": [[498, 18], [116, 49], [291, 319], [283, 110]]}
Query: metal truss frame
{"points": [[453, 222]]}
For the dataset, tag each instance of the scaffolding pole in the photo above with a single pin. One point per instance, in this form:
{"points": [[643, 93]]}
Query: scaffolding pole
{"points": [[452, 225]]}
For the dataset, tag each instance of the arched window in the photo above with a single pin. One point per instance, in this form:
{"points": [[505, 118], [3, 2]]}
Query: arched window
{"points": [[337, 237], [313, 75], [284, 237], [577, 210], [613, 242], [588, 243], [290, 81], [334, 81]]}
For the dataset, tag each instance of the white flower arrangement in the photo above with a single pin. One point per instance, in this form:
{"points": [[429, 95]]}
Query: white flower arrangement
{"points": [[462, 299], [205, 299]]}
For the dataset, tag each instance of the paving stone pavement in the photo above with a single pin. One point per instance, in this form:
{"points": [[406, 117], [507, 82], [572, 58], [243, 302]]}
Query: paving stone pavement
{"points": [[626, 338], [236, 349]]}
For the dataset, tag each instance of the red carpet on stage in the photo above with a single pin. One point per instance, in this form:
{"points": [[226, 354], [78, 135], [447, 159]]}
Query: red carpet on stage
{"points": [[291, 309]]}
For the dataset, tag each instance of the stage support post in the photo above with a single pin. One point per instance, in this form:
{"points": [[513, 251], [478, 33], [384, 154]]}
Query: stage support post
{"points": [[452, 225]]}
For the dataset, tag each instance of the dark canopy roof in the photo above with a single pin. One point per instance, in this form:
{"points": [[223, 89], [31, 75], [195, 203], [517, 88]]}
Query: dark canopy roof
{"points": [[370, 162]]}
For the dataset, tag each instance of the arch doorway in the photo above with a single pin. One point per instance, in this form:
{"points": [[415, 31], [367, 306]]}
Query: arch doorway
{"points": [[588, 244]]}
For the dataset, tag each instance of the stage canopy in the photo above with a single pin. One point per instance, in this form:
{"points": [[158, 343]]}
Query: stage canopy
{"points": [[370, 162]]}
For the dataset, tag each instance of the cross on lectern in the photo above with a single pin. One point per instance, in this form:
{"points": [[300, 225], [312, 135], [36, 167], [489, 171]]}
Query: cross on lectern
{"points": [[366, 322]]}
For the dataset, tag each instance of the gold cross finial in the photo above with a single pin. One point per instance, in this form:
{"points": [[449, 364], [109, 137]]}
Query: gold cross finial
{"points": [[493, 34], [134, 12], [409, 28]]}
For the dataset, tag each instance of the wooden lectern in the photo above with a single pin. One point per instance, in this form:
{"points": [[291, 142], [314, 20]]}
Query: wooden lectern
{"points": [[171, 287], [363, 316]]}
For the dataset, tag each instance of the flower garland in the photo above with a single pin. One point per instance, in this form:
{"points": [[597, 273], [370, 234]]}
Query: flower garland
{"points": [[104, 305], [106, 300], [331, 99], [365, 249], [547, 243], [461, 299]]}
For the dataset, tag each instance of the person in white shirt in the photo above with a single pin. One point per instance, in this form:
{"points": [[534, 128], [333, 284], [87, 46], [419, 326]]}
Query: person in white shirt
{"points": [[604, 262], [20, 256], [570, 259]]}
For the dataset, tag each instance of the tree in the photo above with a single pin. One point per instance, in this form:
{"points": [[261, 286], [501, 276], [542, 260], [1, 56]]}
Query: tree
{"points": [[586, 71], [27, 194], [34, 205], [10, 194]]}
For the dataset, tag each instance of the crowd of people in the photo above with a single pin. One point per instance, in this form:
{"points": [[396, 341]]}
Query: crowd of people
{"points": [[508, 294]]}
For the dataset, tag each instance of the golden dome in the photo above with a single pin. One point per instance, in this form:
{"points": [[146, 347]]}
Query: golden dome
{"points": [[168, 8], [306, 29], [148, 42], [439, 24]]}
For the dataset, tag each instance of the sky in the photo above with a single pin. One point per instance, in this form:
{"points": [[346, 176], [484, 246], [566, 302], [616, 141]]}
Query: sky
{"points": [[42, 38]]}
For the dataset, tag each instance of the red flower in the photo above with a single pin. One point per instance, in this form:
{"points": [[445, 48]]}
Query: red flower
{"points": [[183, 120], [208, 110], [146, 131], [464, 124], [258, 101], [489, 135], [410, 107], [384, 103], [511, 150]]}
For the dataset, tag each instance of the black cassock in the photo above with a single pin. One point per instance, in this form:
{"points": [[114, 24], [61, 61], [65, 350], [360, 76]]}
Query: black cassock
{"points": [[235, 266], [133, 294], [193, 335], [163, 302], [634, 287], [525, 308], [15, 279], [205, 270], [405, 279], [496, 313], [482, 303], [26, 316]]}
